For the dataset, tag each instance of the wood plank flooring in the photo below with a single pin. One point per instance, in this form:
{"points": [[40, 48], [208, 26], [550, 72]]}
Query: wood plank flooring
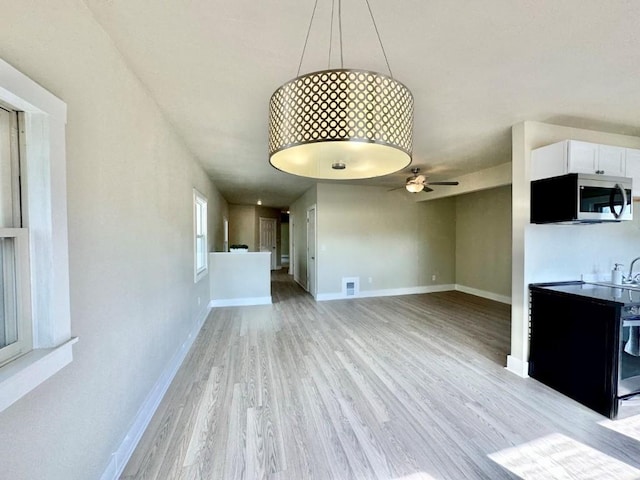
{"points": [[383, 388]]}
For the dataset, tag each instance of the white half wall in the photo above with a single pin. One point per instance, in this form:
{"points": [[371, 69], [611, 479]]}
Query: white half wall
{"points": [[240, 278]]}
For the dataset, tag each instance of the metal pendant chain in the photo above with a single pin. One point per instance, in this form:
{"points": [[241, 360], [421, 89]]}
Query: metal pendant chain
{"points": [[306, 40], [304, 49], [379, 39], [333, 3], [340, 31]]}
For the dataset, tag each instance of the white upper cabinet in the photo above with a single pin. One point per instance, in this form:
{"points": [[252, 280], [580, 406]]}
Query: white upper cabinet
{"points": [[611, 161], [572, 156], [581, 157]]}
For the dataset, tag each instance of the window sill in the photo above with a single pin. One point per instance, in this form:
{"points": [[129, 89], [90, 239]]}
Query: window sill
{"points": [[200, 275], [25, 373]]}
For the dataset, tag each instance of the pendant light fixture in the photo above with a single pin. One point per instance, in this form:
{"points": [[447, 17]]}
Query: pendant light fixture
{"points": [[341, 124]]}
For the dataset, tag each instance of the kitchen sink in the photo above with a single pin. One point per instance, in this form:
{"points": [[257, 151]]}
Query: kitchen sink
{"points": [[629, 286]]}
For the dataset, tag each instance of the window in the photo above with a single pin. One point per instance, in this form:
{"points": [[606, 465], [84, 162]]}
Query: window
{"points": [[15, 314], [35, 322], [200, 235]]}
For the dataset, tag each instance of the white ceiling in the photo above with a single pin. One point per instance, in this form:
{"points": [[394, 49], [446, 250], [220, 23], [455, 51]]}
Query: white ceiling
{"points": [[475, 68]]}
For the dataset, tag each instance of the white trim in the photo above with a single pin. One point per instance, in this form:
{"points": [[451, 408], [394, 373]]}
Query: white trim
{"points": [[28, 371], [22, 292], [484, 294], [389, 292], [200, 205], [240, 302], [517, 366], [313, 293], [22, 93], [45, 212], [121, 456]]}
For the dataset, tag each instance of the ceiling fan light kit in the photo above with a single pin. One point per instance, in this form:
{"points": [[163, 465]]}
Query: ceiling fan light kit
{"points": [[341, 124], [414, 187], [418, 183]]}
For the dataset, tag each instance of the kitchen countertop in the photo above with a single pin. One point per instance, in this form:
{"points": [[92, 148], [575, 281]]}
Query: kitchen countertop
{"points": [[622, 296]]}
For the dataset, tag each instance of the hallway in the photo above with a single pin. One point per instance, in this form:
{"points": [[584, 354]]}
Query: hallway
{"points": [[409, 387]]}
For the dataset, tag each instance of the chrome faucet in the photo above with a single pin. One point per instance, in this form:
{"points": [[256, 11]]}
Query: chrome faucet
{"points": [[629, 278]]}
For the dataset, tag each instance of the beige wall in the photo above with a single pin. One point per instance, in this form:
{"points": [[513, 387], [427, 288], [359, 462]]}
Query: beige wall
{"points": [[436, 241], [133, 298], [242, 226], [385, 239], [483, 240]]}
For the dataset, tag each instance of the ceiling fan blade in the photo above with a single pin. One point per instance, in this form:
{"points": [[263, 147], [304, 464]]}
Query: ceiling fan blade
{"points": [[427, 189], [394, 189], [444, 183]]}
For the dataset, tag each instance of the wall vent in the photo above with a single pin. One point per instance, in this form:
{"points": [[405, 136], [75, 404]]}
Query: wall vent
{"points": [[350, 286]]}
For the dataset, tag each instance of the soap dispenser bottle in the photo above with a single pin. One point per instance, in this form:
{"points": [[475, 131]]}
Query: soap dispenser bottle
{"points": [[616, 274]]}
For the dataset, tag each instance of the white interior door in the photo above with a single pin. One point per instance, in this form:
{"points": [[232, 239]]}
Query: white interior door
{"points": [[268, 238], [311, 251], [225, 246]]}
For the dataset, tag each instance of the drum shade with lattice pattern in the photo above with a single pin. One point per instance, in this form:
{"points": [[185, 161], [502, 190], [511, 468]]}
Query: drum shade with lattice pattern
{"points": [[341, 124]]}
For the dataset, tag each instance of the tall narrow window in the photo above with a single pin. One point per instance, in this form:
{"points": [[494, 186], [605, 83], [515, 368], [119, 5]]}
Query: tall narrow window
{"points": [[200, 235], [15, 314]]}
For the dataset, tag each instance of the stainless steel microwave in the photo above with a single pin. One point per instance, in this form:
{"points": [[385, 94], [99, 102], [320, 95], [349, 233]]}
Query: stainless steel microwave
{"points": [[581, 198]]}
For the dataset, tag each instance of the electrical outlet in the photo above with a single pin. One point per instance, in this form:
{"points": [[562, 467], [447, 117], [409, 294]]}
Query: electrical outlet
{"points": [[370, 280], [198, 300], [433, 278]]}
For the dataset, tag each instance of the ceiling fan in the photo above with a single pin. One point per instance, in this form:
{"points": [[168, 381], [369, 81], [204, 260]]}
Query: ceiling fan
{"points": [[418, 183]]}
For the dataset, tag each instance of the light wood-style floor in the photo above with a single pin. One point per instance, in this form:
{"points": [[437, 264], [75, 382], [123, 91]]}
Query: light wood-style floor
{"points": [[386, 388]]}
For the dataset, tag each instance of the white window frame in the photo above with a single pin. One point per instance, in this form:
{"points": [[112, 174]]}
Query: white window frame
{"points": [[22, 305], [15, 268], [43, 158], [200, 241]]}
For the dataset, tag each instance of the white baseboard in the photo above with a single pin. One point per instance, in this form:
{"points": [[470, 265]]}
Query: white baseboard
{"points": [[517, 366], [484, 294], [240, 302], [389, 292], [122, 455]]}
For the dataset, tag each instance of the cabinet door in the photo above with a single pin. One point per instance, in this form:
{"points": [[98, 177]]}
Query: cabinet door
{"points": [[611, 160], [573, 342], [633, 169], [549, 161], [583, 157]]}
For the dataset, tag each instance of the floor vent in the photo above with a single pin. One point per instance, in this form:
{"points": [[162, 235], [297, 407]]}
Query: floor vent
{"points": [[350, 286]]}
